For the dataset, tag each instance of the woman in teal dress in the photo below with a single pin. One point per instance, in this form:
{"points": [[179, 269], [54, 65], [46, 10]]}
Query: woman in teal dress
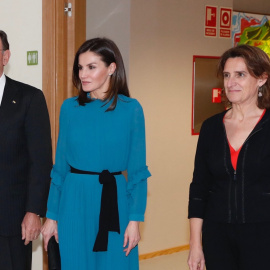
{"points": [[93, 211]]}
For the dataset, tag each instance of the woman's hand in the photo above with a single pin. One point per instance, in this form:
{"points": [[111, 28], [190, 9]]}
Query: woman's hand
{"points": [[48, 230], [30, 227], [132, 236], [196, 258]]}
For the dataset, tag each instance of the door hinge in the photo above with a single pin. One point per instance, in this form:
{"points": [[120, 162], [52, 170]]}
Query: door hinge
{"points": [[68, 9]]}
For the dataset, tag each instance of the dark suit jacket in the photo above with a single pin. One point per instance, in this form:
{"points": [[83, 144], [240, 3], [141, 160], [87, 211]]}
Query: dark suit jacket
{"points": [[25, 155]]}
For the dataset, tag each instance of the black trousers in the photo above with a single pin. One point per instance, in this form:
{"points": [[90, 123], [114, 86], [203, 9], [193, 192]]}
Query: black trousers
{"points": [[14, 255], [236, 246]]}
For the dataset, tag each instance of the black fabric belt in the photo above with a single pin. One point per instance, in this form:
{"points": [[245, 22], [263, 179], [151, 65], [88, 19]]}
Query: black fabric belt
{"points": [[109, 216]]}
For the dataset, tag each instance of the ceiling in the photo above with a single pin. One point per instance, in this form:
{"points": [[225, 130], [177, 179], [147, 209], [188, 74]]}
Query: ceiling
{"points": [[251, 6]]}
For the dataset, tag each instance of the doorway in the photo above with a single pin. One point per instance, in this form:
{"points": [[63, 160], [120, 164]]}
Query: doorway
{"points": [[63, 31]]}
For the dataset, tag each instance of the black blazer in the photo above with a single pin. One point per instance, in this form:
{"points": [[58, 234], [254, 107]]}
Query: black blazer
{"points": [[218, 192], [25, 155]]}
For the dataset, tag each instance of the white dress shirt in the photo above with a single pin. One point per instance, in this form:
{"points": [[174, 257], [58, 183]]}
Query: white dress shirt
{"points": [[2, 86]]}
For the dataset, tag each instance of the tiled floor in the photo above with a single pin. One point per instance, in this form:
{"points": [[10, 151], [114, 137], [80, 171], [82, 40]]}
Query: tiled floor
{"points": [[175, 261]]}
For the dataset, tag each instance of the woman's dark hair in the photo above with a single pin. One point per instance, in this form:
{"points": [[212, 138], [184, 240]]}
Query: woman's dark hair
{"points": [[258, 64], [109, 53], [4, 39]]}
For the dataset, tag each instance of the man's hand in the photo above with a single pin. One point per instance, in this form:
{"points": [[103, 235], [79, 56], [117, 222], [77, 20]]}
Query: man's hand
{"points": [[31, 225]]}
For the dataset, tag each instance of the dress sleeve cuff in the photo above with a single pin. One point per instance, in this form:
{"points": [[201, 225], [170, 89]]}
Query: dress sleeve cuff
{"points": [[136, 217], [51, 215]]}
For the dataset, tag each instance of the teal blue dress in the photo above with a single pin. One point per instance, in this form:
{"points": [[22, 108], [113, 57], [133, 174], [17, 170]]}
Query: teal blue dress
{"points": [[91, 139]]}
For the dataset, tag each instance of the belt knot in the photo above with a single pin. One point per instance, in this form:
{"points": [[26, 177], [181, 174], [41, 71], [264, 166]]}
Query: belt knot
{"points": [[106, 177]]}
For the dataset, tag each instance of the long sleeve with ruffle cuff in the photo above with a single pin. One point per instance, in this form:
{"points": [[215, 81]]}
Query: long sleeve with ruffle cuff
{"points": [[137, 169], [137, 190]]}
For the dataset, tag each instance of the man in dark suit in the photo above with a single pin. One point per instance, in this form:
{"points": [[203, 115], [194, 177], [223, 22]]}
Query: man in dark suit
{"points": [[25, 164]]}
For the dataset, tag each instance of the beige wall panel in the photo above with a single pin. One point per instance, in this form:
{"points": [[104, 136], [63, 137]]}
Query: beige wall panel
{"points": [[165, 34]]}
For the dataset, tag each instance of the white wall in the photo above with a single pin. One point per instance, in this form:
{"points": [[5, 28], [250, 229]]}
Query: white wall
{"points": [[22, 21], [110, 19]]}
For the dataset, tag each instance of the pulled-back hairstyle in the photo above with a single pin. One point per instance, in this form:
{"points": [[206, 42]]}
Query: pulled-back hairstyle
{"points": [[4, 39], [258, 64], [109, 53]]}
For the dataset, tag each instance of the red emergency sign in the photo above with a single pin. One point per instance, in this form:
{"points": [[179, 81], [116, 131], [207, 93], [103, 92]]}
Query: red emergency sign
{"points": [[211, 16], [216, 95]]}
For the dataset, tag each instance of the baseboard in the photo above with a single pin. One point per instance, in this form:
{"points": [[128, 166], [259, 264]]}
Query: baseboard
{"points": [[163, 252]]}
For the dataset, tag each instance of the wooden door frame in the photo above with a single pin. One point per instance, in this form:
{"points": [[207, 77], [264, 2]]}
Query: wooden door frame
{"points": [[61, 37]]}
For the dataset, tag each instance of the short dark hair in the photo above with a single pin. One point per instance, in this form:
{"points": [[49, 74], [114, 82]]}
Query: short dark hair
{"points": [[258, 64], [4, 39], [109, 53]]}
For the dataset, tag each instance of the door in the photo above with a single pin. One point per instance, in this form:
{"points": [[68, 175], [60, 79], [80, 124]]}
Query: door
{"points": [[63, 31]]}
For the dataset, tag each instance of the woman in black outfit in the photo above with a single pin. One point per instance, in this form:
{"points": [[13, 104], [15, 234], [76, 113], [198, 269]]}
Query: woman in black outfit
{"points": [[229, 202]]}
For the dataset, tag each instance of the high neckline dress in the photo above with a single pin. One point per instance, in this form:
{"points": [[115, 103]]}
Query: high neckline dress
{"points": [[91, 139]]}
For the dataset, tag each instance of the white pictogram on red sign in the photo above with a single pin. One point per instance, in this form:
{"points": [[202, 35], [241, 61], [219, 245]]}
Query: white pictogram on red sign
{"points": [[225, 17], [211, 16]]}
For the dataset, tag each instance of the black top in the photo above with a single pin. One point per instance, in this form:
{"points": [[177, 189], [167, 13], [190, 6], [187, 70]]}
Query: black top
{"points": [[218, 192]]}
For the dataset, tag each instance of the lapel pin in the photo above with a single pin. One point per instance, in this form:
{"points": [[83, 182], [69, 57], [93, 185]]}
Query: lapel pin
{"points": [[13, 101]]}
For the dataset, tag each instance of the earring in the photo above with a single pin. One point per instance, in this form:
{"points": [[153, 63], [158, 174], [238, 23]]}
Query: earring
{"points": [[110, 74], [260, 94]]}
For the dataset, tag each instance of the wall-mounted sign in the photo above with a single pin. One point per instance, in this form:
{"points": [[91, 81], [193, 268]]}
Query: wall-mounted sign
{"points": [[216, 95], [32, 58], [225, 15], [210, 21], [218, 23]]}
